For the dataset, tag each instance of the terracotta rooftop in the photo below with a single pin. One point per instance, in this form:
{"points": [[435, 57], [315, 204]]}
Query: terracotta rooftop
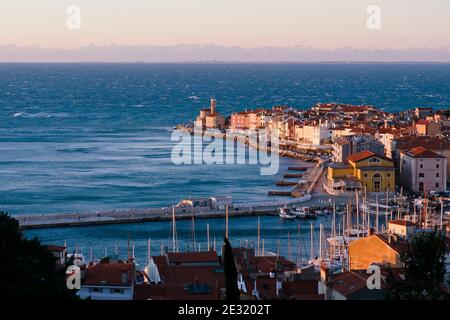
{"points": [[397, 244], [421, 152], [361, 156], [404, 223], [347, 283], [55, 248], [423, 122], [190, 257], [175, 292], [431, 143], [300, 288], [110, 274]]}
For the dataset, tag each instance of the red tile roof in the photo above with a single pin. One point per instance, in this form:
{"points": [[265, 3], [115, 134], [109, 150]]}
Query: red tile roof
{"points": [[421, 152], [404, 223], [423, 122], [431, 143], [186, 257], [397, 244], [347, 283], [110, 274], [172, 292], [300, 287], [55, 248], [361, 156]]}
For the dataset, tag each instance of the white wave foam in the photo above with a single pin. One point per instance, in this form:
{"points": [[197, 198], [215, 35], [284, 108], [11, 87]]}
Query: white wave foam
{"points": [[40, 115]]}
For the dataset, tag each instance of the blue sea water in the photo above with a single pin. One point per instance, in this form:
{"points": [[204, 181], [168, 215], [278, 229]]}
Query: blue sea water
{"points": [[76, 137]]}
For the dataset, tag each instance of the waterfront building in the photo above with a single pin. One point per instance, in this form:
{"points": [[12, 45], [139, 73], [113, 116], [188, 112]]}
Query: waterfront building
{"points": [[427, 127], [209, 118], [343, 109], [384, 249], [402, 228], [422, 170], [108, 281], [344, 147], [436, 144], [374, 172], [422, 112], [216, 202], [239, 121], [313, 133]]}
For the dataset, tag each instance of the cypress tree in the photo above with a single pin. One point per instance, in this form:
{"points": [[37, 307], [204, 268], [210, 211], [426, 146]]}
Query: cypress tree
{"points": [[231, 287]]}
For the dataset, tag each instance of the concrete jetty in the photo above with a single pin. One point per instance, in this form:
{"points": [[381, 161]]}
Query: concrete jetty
{"points": [[152, 214]]}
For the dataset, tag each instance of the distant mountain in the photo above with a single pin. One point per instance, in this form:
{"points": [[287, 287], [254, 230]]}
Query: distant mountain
{"points": [[216, 53]]}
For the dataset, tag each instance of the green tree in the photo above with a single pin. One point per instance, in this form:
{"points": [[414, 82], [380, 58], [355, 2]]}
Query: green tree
{"points": [[231, 287], [28, 269], [423, 270]]}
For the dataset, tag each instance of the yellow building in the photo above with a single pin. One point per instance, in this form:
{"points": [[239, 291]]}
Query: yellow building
{"points": [[373, 172], [377, 248]]}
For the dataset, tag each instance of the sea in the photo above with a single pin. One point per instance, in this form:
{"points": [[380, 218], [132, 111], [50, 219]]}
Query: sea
{"points": [[88, 137]]}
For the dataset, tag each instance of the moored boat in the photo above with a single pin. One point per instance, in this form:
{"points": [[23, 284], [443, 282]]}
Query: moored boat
{"points": [[287, 214]]}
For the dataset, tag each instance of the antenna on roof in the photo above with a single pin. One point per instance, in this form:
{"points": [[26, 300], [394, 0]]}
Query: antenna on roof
{"points": [[148, 250], [193, 229], [207, 236], [226, 222], [128, 246]]}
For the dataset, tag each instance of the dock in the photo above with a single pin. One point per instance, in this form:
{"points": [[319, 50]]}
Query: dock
{"points": [[297, 168], [283, 183], [280, 193], [293, 175], [61, 220]]}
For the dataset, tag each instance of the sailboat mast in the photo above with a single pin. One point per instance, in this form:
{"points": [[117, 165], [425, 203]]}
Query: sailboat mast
{"points": [[311, 249], [259, 235], [174, 231], [299, 254], [207, 236], [226, 222], [376, 225], [148, 251], [357, 213], [320, 241], [193, 229]]}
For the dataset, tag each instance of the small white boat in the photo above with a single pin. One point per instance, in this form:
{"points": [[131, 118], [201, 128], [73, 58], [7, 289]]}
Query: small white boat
{"points": [[320, 213], [300, 213], [286, 214]]}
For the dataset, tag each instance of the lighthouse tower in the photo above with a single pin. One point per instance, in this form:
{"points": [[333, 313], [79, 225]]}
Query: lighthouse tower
{"points": [[213, 106]]}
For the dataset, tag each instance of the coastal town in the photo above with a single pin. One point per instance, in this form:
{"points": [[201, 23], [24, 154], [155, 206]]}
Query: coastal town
{"points": [[385, 178]]}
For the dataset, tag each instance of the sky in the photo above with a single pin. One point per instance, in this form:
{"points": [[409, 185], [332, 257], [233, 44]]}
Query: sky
{"points": [[326, 24]]}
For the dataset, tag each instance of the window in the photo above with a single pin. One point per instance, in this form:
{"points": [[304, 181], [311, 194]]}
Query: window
{"points": [[365, 175], [437, 166], [421, 166], [421, 175], [388, 175], [374, 160], [437, 174], [437, 185]]}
